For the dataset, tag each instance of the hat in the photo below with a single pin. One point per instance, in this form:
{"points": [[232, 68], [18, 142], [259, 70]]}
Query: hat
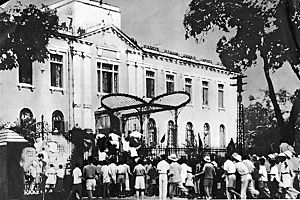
{"points": [[207, 159], [237, 157], [281, 155], [271, 156], [288, 153], [173, 157]]}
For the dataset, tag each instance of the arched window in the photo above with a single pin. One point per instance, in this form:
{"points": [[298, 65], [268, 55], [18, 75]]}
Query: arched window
{"points": [[152, 134], [222, 136], [207, 135], [25, 115], [190, 137], [58, 122], [172, 138]]}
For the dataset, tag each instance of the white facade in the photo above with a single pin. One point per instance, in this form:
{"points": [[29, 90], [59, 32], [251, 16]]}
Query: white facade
{"points": [[103, 45]]}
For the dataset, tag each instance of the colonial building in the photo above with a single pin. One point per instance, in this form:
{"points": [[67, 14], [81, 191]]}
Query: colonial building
{"points": [[101, 59]]}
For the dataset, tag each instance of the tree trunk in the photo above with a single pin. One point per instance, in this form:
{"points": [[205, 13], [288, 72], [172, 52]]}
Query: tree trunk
{"points": [[280, 121]]}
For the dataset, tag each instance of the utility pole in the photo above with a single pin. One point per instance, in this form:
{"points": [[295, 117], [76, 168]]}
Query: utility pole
{"points": [[43, 133], [240, 112]]}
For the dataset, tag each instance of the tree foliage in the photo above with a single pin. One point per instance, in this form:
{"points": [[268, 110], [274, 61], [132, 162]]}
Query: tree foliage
{"points": [[261, 131], [24, 35], [26, 128], [266, 28]]}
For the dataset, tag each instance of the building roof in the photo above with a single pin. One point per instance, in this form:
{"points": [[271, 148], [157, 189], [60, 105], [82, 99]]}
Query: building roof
{"points": [[146, 49], [116, 30]]}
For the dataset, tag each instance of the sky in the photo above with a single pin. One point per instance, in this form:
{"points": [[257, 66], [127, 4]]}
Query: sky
{"points": [[160, 23]]}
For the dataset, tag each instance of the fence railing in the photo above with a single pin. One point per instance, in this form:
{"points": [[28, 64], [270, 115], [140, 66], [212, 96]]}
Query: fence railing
{"points": [[187, 152]]}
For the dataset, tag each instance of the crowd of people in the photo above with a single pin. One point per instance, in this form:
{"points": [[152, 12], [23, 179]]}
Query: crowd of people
{"points": [[205, 177], [236, 176], [42, 176]]}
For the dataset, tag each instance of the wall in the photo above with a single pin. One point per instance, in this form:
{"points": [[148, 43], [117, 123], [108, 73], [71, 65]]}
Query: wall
{"points": [[40, 99], [195, 112]]}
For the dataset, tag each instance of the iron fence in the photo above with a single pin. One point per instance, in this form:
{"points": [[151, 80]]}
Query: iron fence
{"points": [[187, 152]]}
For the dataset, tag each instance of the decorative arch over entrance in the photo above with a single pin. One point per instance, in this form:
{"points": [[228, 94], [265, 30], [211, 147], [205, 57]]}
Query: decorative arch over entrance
{"points": [[125, 106]]}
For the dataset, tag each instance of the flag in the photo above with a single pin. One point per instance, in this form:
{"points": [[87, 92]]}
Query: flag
{"points": [[200, 146], [163, 138], [231, 147]]}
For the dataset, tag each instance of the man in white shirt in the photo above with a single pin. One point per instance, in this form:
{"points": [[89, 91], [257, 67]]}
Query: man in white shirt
{"points": [[77, 183], [163, 167], [107, 178], [246, 178], [263, 179], [184, 169], [121, 178], [113, 185], [230, 180]]}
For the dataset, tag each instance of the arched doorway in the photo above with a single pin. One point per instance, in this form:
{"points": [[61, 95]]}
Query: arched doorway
{"points": [[58, 124], [25, 115], [207, 136], [152, 134], [222, 136], [190, 136], [172, 137]]}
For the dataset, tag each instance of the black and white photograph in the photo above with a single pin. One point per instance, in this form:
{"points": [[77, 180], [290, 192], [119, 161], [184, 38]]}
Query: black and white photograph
{"points": [[149, 99]]}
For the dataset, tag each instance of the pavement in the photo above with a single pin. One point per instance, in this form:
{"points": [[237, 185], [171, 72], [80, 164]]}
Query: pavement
{"points": [[50, 197]]}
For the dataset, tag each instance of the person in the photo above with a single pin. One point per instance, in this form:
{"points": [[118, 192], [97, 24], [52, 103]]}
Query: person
{"points": [[163, 167], [175, 177], [89, 174], [287, 176], [230, 178], [32, 171], [99, 180], [41, 172], [140, 172], [253, 167], [121, 179], [106, 179], [189, 183], [246, 179], [199, 180], [263, 179], [184, 169], [127, 181], [273, 177], [77, 183], [113, 185], [153, 175], [209, 173], [284, 147], [59, 187], [51, 178], [148, 166]]}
